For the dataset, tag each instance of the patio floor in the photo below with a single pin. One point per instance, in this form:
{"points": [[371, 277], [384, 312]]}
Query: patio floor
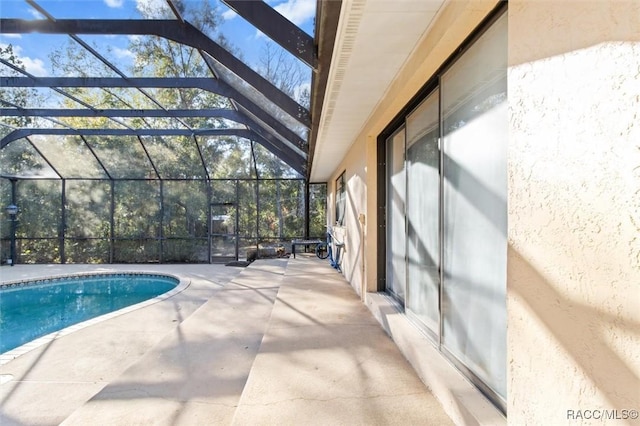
{"points": [[282, 342]]}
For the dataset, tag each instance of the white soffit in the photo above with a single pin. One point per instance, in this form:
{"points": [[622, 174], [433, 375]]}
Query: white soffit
{"points": [[374, 39]]}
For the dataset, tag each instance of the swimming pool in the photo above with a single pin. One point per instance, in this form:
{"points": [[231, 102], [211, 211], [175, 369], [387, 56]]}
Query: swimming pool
{"points": [[32, 309]]}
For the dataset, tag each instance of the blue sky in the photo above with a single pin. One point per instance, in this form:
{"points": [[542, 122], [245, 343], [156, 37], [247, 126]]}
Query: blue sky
{"points": [[33, 49]]}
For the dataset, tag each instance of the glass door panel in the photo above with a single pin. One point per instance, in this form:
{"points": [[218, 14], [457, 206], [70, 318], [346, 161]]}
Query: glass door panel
{"points": [[423, 213], [396, 236], [475, 124], [223, 233]]}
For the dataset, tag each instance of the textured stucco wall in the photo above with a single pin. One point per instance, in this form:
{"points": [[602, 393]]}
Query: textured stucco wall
{"points": [[574, 210], [454, 22], [352, 233]]}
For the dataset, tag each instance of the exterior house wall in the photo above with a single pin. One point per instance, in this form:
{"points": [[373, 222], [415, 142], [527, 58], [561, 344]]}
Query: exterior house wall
{"points": [[574, 209], [452, 25], [462, 402], [352, 232]]}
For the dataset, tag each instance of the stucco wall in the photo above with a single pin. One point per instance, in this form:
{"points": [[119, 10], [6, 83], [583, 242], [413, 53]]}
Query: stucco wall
{"points": [[441, 38], [462, 402], [352, 232], [574, 200], [574, 210]]}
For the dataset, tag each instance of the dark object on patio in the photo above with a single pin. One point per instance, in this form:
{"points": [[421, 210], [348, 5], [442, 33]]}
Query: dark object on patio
{"points": [[266, 253], [240, 263], [252, 255]]}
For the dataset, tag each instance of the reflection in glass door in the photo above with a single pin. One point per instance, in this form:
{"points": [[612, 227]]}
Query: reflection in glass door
{"points": [[475, 125], [396, 236], [223, 233], [446, 212], [423, 213]]}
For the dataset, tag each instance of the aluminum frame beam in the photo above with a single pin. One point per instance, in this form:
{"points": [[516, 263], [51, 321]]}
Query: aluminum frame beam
{"points": [[229, 114], [55, 89], [112, 67], [180, 32], [215, 86], [277, 28], [296, 161], [21, 133]]}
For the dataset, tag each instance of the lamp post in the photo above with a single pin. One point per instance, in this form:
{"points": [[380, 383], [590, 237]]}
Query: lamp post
{"points": [[12, 211]]}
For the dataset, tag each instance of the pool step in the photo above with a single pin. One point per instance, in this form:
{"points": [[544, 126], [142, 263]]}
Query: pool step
{"points": [[197, 373]]}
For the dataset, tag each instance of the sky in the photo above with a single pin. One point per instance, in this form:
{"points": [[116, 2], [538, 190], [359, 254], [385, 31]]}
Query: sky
{"points": [[33, 49]]}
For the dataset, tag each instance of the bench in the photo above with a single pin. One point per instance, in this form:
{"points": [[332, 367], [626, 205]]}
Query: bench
{"points": [[305, 243]]}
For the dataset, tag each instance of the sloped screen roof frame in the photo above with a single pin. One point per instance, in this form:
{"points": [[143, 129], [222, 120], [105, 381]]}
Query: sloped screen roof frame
{"points": [[277, 138]]}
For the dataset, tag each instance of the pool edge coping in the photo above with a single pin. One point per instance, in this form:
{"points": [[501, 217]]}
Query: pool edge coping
{"points": [[12, 354]]}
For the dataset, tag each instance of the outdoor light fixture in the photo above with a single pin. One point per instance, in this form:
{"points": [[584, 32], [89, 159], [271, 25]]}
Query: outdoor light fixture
{"points": [[12, 211]]}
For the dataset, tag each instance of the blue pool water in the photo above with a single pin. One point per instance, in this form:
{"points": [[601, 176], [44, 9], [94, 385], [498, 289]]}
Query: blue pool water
{"points": [[35, 309]]}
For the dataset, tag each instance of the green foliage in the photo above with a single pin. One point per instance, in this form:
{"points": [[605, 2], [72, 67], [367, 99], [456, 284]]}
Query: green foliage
{"points": [[185, 209], [285, 72], [136, 217], [40, 208], [141, 250], [86, 250], [17, 96], [185, 251], [40, 250], [317, 210], [137, 209]]}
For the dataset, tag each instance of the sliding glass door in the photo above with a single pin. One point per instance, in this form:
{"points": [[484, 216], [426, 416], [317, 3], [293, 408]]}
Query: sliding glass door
{"points": [[475, 123], [446, 221], [423, 213], [396, 235]]}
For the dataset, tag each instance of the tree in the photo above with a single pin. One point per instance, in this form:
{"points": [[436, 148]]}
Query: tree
{"points": [[20, 97], [19, 159], [286, 73], [147, 212]]}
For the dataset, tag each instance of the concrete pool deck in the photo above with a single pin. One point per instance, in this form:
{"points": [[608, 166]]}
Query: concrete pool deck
{"points": [[282, 342]]}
